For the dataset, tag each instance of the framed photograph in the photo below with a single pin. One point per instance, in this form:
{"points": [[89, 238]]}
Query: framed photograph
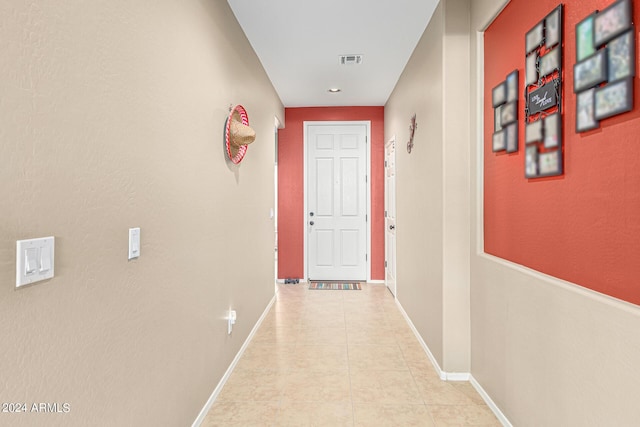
{"points": [[497, 119], [531, 161], [613, 99], [590, 72], [553, 27], [499, 94], [512, 86], [533, 132], [511, 137], [622, 57], [499, 141], [550, 163], [585, 111], [535, 37], [550, 62], [612, 21], [531, 69], [509, 113], [552, 130], [584, 38]]}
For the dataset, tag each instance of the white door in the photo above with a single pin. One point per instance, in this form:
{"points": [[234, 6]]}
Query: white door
{"points": [[336, 202], [390, 214]]}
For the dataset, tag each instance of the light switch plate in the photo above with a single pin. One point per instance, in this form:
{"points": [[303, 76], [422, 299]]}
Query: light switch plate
{"points": [[134, 243], [34, 260]]}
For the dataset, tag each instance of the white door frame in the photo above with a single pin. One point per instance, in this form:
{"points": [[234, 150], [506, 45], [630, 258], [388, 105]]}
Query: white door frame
{"points": [[386, 208], [367, 124]]}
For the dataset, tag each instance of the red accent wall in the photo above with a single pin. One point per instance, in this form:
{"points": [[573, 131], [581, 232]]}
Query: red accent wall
{"points": [[291, 183], [583, 227]]}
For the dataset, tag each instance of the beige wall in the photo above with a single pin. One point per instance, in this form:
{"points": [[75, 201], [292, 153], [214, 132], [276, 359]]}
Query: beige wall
{"points": [[433, 185], [547, 352], [111, 116], [419, 192]]}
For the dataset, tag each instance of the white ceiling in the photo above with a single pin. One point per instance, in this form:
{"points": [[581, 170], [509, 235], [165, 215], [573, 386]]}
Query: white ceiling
{"points": [[299, 43]]}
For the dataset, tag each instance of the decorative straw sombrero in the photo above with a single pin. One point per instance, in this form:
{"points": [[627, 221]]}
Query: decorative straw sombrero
{"points": [[238, 134]]}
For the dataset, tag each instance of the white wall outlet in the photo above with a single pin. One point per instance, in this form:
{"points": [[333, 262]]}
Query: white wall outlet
{"points": [[34, 260], [134, 243], [231, 318]]}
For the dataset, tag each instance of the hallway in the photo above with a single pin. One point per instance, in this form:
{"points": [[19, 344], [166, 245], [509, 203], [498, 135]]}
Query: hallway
{"points": [[341, 358]]}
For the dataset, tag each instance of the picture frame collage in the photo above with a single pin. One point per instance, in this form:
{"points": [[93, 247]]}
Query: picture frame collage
{"points": [[505, 112], [543, 97], [605, 65]]}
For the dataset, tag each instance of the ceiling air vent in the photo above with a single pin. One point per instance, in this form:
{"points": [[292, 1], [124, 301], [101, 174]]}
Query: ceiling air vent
{"points": [[350, 59]]}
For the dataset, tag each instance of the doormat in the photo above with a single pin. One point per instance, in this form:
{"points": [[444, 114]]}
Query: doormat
{"points": [[335, 286]]}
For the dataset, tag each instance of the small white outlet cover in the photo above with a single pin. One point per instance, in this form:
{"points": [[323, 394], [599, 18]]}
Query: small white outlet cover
{"points": [[134, 243], [231, 321]]}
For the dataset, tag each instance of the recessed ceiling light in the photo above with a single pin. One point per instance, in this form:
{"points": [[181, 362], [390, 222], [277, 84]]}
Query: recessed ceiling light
{"points": [[335, 90]]}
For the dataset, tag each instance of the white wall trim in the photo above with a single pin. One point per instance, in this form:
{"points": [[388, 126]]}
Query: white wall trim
{"points": [[457, 376], [376, 282], [480, 144], [490, 403], [568, 286], [203, 413], [444, 376], [305, 126]]}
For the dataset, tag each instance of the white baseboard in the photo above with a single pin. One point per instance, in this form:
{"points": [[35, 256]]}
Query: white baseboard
{"points": [[457, 376], [490, 403], [376, 282], [227, 374], [444, 376], [423, 344]]}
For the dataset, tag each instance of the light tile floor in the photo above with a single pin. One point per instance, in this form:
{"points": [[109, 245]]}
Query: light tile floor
{"points": [[341, 358]]}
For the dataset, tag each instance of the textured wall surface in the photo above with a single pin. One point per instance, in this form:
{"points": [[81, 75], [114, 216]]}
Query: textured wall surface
{"points": [[111, 116], [433, 185], [583, 226], [548, 352], [419, 184], [291, 185]]}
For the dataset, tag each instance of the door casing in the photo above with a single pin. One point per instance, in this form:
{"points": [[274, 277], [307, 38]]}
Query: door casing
{"points": [[390, 219], [367, 124]]}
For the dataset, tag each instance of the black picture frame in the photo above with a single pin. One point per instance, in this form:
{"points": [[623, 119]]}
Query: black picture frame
{"points": [[590, 72], [512, 86], [511, 137], [553, 27], [585, 111], [497, 119], [533, 132], [498, 141], [499, 94], [585, 46], [509, 113], [551, 61], [552, 130], [612, 21], [531, 69], [550, 163], [544, 98], [531, 161], [534, 37], [621, 57], [613, 99]]}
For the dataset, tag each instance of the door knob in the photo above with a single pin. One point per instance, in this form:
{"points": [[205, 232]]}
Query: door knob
{"points": [[311, 222], [310, 213], [392, 227]]}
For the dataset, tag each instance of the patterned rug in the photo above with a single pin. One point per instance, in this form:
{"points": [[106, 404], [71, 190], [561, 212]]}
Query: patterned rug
{"points": [[335, 286]]}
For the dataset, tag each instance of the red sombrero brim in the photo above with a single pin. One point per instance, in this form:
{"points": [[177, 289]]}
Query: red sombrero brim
{"points": [[236, 154]]}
